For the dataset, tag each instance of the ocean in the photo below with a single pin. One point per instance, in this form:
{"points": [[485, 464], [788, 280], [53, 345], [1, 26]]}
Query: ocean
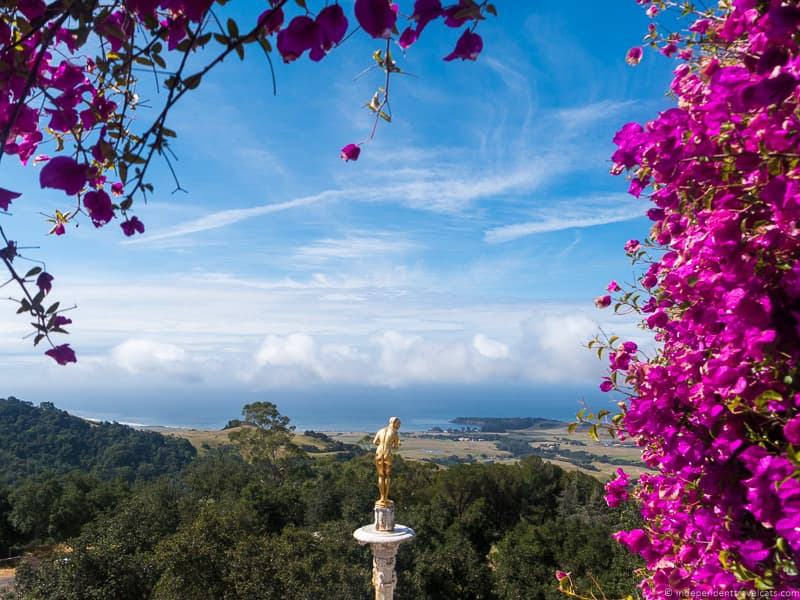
{"points": [[342, 408]]}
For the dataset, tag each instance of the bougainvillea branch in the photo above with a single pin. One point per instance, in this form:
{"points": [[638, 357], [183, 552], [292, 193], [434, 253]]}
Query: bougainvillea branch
{"points": [[68, 81], [717, 410]]}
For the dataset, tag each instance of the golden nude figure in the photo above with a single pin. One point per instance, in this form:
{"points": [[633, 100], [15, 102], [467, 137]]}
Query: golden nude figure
{"points": [[386, 440]]}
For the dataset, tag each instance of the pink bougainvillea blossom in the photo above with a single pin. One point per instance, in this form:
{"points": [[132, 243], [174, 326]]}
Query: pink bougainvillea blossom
{"points": [[299, 36], [602, 301], [63, 173], [468, 47], [331, 27], [44, 282], [350, 152], [132, 226], [98, 204], [617, 489], [634, 56], [62, 354], [6, 196], [60, 321], [376, 17], [715, 410], [271, 20]]}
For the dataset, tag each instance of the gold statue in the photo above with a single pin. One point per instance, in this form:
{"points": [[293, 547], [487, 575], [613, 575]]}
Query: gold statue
{"points": [[386, 440]]}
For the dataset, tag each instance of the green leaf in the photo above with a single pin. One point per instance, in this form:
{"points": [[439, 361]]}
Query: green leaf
{"points": [[192, 81], [233, 28], [33, 271], [769, 396]]}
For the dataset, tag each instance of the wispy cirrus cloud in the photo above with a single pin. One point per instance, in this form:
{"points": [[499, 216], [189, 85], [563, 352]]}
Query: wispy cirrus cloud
{"points": [[354, 246], [225, 218], [518, 156], [589, 212]]}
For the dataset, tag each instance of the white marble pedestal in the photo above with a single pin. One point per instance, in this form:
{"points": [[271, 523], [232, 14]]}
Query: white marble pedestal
{"points": [[384, 546]]}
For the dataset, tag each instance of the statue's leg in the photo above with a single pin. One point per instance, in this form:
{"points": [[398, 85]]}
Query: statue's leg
{"points": [[381, 480]]}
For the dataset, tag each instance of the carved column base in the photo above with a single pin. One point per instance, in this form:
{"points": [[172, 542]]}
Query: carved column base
{"points": [[384, 546], [384, 517]]}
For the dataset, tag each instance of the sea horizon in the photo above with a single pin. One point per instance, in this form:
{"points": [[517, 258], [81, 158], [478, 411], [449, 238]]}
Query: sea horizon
{"points": [[344, 409]]}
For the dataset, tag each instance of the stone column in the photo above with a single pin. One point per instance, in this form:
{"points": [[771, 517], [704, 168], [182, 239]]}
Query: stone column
{"points": [[384, 537]]}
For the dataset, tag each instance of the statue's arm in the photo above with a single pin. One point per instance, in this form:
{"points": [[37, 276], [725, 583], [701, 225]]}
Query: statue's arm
{"points": [[377, 440]]}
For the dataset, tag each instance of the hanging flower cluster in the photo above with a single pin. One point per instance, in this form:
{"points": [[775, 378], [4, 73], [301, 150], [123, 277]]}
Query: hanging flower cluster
{"points": [[717, 410], [68, 75]]}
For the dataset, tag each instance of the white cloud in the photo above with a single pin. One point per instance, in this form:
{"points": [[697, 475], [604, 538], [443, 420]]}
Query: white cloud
{"points": [[224, 218], [258, 335], [588, 212], [141, 356], [488, 347], [353, 247]]}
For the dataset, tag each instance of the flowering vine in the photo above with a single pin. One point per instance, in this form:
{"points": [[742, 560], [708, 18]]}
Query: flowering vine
{"points": [[717, 410], [69, 71]]}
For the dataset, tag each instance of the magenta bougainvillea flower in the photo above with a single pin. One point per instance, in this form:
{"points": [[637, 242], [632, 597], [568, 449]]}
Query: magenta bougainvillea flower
{"points": [[6, 196], [602, 301], [62, 354], [319, 35], [716, 410], [350, 152], [426, 11], [455, 14], [9, 252], [407, 38], [299, 36], [44, 282], [617, 489], [331, 27], [60, 321], [613, 286], [100, 208], [468, 47], [376, 17], [632, 246], [271, 20], [63, 173], [634, 56], [132, 226], [792, 431]]}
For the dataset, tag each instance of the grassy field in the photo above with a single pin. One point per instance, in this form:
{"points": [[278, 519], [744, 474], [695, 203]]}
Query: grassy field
{"points": [[204, 439], [559, 445], [420, 446]]}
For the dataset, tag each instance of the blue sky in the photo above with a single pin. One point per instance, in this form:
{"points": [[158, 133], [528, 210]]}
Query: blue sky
{"points": [[462, 249]]}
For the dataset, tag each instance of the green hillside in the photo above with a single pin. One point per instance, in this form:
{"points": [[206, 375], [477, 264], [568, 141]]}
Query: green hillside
{"points": [[38, 440]]}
